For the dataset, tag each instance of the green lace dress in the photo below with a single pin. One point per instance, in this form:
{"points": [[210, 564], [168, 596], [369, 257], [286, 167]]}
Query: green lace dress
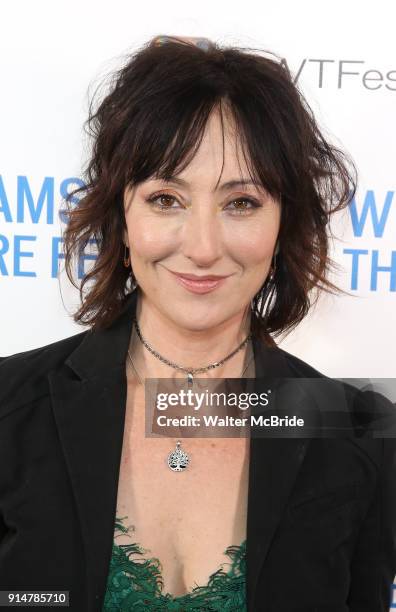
{"points": [[137, 585]]}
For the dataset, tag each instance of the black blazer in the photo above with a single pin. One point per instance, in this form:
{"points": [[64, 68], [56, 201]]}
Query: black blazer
{"points": [[321, 523]]}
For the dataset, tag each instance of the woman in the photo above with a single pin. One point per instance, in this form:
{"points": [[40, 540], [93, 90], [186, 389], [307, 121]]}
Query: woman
{"points": [[208, 195]]}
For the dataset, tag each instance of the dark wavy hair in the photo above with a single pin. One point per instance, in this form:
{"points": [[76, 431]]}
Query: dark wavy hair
{"points": [[151, 122]]}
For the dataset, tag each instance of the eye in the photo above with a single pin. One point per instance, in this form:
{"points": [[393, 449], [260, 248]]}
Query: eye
{"points": [[244, 208], [163, 202], [162, 197]]}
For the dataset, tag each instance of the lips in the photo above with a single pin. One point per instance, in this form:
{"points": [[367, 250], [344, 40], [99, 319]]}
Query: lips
{"points": [[199, 284], [196, 277]]}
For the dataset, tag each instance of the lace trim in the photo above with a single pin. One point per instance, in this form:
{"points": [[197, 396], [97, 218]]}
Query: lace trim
{"points": [[137, 585]]}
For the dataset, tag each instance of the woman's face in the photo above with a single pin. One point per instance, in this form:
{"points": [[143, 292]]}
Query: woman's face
{"points": [[186, 226]]}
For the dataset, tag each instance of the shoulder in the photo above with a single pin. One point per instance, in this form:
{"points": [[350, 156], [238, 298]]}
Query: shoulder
{"points": [[300, 367], [40, 357], [371, 412], [364, 393], [23, 376]]}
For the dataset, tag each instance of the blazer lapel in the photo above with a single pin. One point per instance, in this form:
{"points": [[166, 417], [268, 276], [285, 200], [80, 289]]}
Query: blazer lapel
{"points": [[88, 396], [273, 468], [89, 411]]}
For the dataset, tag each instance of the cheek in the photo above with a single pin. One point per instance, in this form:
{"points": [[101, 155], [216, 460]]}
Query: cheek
{"points": [[148, 241], [253, 245]]}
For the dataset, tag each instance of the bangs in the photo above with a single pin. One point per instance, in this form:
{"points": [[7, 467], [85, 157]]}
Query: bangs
{"points": [[169, 143]]}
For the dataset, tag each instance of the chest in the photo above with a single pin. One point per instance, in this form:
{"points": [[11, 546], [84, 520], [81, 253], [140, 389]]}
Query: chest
{"points": [[185, 519]]}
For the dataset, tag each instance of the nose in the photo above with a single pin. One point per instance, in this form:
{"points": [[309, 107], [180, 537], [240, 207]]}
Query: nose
{"points": [[202, 236]]}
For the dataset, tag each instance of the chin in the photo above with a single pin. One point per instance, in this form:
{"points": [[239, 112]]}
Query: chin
{"points": [[196, 321]]}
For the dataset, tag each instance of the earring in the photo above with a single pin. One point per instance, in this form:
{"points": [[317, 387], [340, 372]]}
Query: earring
{"points": [[273, 264], [271, 274], [272, 271], [127, 260]]}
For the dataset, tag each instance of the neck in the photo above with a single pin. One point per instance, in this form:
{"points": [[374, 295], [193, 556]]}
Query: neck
{"points": [[188, 348]]}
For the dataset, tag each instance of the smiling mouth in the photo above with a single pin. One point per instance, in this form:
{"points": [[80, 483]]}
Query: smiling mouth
{"points": [[199, 284]]}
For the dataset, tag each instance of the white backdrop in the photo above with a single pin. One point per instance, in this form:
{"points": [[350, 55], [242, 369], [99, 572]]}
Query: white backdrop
{"points": [[343, 55], [51, 52]]}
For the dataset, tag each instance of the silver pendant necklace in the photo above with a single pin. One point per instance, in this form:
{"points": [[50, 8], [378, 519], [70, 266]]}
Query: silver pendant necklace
{"points": [[178, 460]]}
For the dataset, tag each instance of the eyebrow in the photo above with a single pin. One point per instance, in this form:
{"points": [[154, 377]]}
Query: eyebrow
{"points": [[227, 185]]}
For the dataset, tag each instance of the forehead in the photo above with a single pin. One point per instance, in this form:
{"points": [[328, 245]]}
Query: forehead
{"points": [[221, 142], [218, 159]]}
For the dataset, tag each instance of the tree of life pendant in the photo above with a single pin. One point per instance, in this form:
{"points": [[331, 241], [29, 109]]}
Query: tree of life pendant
{"points": [[178, 460]]}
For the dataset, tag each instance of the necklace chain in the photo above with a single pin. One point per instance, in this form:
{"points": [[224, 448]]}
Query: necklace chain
{"points": [[142, 383], [183, 369], [178, 459]]}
